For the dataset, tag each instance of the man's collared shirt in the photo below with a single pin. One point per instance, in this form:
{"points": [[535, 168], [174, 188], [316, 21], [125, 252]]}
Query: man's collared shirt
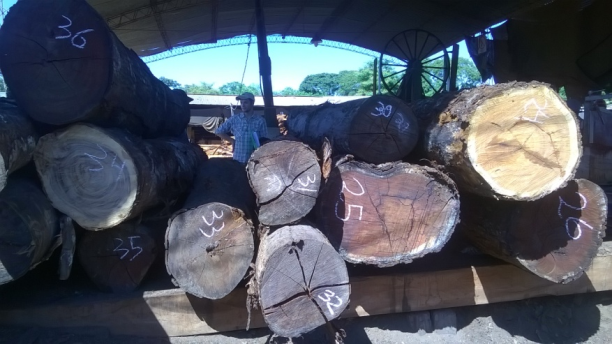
{"points": [[243, 127]]}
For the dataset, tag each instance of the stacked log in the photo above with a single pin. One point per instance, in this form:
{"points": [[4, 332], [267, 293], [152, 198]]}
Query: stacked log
{"points": [[513, 141], [117, 259], [555, 237], [63, 65], [102, 177], [301, 281], [29, 229], [377, 129], [285, 176], [387, 214], [209, 243], [17, 140]]}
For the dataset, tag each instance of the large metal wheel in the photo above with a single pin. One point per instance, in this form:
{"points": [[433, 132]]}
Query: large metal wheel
{"points": [[414, 64]]}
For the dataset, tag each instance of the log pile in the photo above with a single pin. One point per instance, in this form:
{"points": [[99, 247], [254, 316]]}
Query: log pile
{"points": [[500, 160]]}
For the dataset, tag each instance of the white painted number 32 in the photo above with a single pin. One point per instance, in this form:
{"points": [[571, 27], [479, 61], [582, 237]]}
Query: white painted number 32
{"points": [[329, 295]]}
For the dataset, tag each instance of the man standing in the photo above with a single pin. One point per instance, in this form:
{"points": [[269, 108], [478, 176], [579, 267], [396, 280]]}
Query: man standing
{"points": [[248, 129]]}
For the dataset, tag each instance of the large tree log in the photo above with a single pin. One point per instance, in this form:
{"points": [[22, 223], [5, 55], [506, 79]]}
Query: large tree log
{"points": [[209, 243], [301, 281], [63, 64], [555, 237], [387, 214], [17, 140], [376, 129], [102, 177], [118, 258], [285, 176], [515, 141], [29, 229]]}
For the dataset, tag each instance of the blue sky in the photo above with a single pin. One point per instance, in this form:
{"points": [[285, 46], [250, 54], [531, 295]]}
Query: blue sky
{"points": [[291, 63]]}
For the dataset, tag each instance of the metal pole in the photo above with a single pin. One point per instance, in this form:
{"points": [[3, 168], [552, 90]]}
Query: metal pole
{"points": [[265, 66], [375, 79], [453, 70]]}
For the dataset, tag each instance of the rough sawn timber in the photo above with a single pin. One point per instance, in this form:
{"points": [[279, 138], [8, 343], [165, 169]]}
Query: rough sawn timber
{"points": [[301, 281], [387, 214], [209, 243], [64, 64], [513, 141], [285, 176], [29, 228], [17, 140], [555, 237], [102, 177], [173, 313], [376, 129]]}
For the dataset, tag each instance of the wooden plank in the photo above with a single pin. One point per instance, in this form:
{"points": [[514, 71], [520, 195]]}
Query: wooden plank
{"points": [[174, 313]]}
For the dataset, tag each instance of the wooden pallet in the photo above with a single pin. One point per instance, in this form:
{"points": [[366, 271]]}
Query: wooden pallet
{"points": [[171, 312]]}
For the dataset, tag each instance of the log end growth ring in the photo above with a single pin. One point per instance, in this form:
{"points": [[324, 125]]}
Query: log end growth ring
{"points": [[209, 249], [384, 130], [525, 142], [65, 45], [87, 175]]}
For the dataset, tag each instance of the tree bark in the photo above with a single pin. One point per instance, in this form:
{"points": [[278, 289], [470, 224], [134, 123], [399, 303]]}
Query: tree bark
{"points": [[387, 214], [513, 141], [301, 281], [376, 129], [555, 237], [117, 259], [17, 140], [102, 177], [63, 65], [209, 243], [285, 176], [29, 229]]}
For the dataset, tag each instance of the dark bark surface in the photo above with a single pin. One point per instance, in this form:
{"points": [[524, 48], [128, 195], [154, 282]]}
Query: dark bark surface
{"points": [[17, 140], [63, 65]]}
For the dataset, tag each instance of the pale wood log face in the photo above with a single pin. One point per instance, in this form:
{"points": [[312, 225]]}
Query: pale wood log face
{"points": [[209, 249], [524, 143], [386, 220], [557, 236]]}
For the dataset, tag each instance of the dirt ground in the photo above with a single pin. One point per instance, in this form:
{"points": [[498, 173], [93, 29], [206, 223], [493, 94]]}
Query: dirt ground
{"points": [[583, 318]]}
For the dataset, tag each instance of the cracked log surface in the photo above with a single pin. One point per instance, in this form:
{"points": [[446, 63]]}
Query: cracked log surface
{"points": [[285, 176], [102, 177], [555, 237], [17, 139], [387, 214], [376, 129], [65, 65], [513, 141], [29, 228], [301, 280], [117, 259], [209, 243]]}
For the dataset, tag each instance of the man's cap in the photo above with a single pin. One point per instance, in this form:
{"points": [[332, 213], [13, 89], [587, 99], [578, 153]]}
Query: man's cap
{"points": [[246, 95]]}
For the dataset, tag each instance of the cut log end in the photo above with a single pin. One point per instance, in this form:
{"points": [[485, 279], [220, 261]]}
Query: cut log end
{"points": [[387, 214], [117, 259], [558, 238], [302, 282], [385, 130], [209, 249], [47, 43], [285, 176], [524, 142]]}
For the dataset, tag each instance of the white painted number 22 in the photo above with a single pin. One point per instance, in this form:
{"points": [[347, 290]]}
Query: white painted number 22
{"points": [[73, 38]]}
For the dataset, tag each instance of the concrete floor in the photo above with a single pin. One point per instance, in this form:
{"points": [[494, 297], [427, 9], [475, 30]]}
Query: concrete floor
{"points": [[584, 318]]}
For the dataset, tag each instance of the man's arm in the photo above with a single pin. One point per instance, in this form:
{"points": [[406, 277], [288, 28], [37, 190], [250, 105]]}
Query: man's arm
{"points": [[223, 131]]}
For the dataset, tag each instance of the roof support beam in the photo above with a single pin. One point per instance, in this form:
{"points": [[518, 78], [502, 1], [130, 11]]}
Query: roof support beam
{"points": [[163, 6], [333, 17], [214, 11], [295, 17], [265, 65], [377, 20], [160, 24]]}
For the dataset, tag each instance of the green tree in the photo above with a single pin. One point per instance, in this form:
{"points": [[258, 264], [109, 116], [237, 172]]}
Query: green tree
{"points": [[349, 82], [2, 85], [323, 84], [202, 88], [235, 88], [170, 82], [288, 92]]}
